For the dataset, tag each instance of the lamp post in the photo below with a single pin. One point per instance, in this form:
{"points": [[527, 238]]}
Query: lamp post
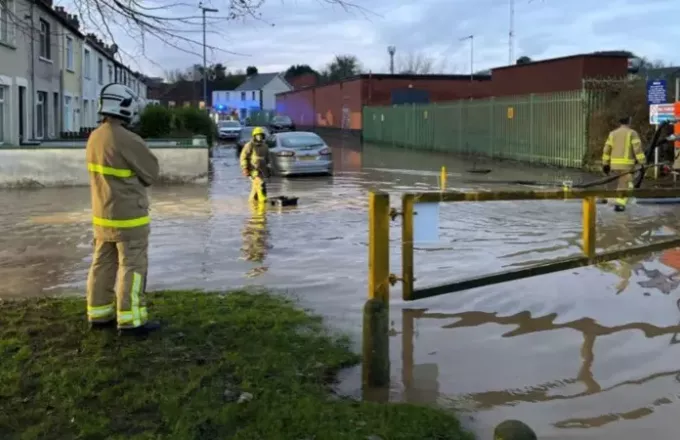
{"points": [[472, 54], [391, 50], [204, 10]]}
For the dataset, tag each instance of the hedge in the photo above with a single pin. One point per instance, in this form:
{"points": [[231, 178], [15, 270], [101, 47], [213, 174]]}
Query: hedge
{"points": [[161, 122]]}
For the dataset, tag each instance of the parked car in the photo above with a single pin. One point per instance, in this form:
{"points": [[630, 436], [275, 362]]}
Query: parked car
{"points": [[245, 136], [229, 130], [299, 152], [281, 123]]}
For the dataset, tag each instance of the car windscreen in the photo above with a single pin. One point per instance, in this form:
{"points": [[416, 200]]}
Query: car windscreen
{"points": [[298, 141], [229, 124], [281, 120]]}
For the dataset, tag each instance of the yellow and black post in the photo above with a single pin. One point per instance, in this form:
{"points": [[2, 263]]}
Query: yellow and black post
{"points": [[376, 352]]}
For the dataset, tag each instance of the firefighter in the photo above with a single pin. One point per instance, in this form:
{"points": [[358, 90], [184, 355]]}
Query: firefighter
{"points": [[255, 164], [121, 167], [621, 151]]}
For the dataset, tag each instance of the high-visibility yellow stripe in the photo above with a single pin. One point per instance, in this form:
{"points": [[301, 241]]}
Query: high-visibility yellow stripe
{"points": [[101, 312], [137, 315], [109, 171], [606, 157], [129, 223], [623, 161], [640, 157]]}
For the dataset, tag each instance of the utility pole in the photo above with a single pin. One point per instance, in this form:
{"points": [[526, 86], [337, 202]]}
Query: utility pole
{"points": [[511, 35], [204, 10], [472, 54], [391, 50]]}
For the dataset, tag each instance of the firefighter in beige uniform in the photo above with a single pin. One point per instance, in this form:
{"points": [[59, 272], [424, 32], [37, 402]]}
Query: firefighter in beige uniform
{"points": [[621, 151], [121, 166], [255, 164]]}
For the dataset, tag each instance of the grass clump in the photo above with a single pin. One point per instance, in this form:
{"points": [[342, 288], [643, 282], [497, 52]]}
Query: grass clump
{"points": [[225, 366]]}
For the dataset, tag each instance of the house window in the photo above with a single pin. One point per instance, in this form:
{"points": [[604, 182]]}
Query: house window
{"points": [[100, 71], [2, 113], [243, 96], [68, 126], [45, 49], [41, 115], [252, 96], [56, 112], [7, 22], [86, 64], [69, 53], [110, 73], [85, 117]]}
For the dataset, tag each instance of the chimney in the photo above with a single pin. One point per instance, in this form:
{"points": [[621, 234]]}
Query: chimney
{"points": [[47, 3]]}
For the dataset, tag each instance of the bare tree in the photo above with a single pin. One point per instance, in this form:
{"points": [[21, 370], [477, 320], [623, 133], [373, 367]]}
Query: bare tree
{"points": [[418, 63], [175, 75], [152, 20]]}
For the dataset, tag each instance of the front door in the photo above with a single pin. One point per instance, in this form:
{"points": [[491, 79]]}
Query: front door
{"points": [[22, 113]]}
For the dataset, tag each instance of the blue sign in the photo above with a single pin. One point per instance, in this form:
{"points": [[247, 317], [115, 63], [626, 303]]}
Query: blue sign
{"points": [[656, 91]]}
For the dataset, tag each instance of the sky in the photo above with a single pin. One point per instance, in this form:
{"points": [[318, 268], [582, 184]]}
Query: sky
{"points": [[314, 31]]}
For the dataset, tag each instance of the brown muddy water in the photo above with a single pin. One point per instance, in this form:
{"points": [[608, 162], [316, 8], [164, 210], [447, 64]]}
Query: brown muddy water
{"points": [[585, 354]]}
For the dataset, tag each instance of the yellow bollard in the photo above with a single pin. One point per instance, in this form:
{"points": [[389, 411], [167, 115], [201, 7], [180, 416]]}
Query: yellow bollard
{"points": [[589, 226], [379, 246], [442, 178]]}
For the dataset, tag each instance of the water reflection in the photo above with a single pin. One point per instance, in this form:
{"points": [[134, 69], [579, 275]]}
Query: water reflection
{"points": [[525, 323], [256, 239]]}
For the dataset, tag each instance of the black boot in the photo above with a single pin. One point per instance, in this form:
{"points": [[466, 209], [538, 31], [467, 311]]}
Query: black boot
{"points": [[103, 325], [142, 330], [619, 208]]}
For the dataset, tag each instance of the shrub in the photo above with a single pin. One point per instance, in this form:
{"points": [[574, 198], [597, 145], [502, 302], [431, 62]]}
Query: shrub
{"points": [[192, 121], [155, 122]]}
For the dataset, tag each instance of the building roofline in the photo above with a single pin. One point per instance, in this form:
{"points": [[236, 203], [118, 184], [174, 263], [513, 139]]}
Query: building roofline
{"points": [[567, 57], [404, 76]]}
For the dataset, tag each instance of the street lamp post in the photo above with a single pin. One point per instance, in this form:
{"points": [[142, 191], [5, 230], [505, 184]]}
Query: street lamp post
{"points": [[472, 54], [204, 10]]}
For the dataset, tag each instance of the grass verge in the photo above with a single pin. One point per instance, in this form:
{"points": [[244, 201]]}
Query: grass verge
{"points": [[226, 366]]}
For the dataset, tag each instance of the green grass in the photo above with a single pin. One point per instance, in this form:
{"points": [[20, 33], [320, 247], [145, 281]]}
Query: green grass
{"points": [[60, 381]]}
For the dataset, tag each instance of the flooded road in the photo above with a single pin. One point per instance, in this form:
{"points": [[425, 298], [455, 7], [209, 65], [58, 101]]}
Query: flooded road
{"points": [[587, 354]]}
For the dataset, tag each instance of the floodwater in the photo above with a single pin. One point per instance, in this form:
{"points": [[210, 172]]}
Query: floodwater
{"points": [[587, 354]]}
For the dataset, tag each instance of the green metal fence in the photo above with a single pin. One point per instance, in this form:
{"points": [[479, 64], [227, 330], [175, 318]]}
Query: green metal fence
{"points": [[538, 128]]}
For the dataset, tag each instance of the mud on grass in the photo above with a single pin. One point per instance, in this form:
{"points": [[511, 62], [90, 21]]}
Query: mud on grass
{"points": [[59, 381]]}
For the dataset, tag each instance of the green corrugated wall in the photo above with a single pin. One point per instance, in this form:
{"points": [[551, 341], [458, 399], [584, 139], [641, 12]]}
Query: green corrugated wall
{"points": [[538, 128]]}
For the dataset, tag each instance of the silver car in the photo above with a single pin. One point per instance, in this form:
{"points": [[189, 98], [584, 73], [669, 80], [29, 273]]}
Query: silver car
{"points": [[229, 130], [299, 152]]}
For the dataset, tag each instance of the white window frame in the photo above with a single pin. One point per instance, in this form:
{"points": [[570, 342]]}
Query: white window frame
{"points": [[3, 113], [87, 63], [41, 120], [44, 42], [7, 25], [69, 54], [100, 71]]}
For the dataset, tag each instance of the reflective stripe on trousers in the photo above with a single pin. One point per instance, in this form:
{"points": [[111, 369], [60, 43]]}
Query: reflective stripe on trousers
{"points": [[101, 313], [137, 315]]}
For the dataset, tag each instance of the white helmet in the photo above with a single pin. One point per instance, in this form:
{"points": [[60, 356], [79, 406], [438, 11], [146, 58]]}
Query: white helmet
{"points": [[121, 102]]}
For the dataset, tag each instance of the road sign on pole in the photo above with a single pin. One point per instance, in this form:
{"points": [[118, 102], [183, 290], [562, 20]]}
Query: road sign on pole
{"points": [[656, 91], [659, 113]]}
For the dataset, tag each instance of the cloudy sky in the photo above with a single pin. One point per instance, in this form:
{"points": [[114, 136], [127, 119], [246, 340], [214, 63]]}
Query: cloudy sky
{"points": [[314, 31]]}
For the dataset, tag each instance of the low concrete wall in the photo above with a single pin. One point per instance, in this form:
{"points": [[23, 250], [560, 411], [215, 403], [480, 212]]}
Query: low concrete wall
{"points": [[62, 163]]}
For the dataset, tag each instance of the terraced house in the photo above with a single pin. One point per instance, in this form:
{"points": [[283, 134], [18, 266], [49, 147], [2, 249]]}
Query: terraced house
{"points": [[51, 73]]}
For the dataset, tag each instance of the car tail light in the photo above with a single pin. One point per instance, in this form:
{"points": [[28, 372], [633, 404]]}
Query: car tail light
{"points": [[325, 152], [285, 154]]}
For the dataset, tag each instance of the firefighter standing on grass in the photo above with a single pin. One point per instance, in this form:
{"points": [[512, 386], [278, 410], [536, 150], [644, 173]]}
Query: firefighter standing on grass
{"points": [[255, 164], [621, 151], [121, 167]]}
